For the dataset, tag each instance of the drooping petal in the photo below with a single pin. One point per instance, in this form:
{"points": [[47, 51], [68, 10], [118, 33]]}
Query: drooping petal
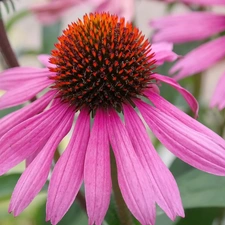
{"points": [[26, 138], [132, 178], [173, 111], [23, 93], [166, 191], [11, 120], [200, 58], [193, 147], [192, 102], [35, 176], [15, 77], [97, 176], [44, 59], [163, 52], [218, 98], [177, 29], [67, 175]]}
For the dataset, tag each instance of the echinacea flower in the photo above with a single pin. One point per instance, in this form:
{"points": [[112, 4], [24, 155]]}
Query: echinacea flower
{"points": [[101, 69], [177, 29], [50, 12]]}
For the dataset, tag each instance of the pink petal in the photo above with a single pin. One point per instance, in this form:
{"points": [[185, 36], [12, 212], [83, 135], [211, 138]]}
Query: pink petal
{"points": [[133, 181], [67, 175], [29, 136], [177, 29], [205, 2], [200, 58], [50, 12], [97, 176], [11, 120], [191, 146], [123, 8], [163, 52], [173, 111], [190, 99], [44, 59], [218, 98], [166, 191], [12, 78], [35, 176], [23, 93]]}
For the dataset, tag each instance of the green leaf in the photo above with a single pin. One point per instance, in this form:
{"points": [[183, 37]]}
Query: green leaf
{"points": [[8, 183], [200, 216], [199, 189], [179, 167], [5, 112], [49, 36]]}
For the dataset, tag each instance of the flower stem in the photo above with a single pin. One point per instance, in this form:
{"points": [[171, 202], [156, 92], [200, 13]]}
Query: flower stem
{"points": [[6, 48], [197, 85], [124, 214]]}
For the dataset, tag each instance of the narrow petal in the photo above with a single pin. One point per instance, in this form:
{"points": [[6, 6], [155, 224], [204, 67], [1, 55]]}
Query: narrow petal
{"points": [[67, 175], [163, 52], [133, 181], [97, 176], [10, 78], [44, 59], [11, 120], [173, 111], [166, 190], [23, 93], [27, 137], [191, 146], [35, 176], [200, 59], [190, 99], [177, 29], [218, 98]]}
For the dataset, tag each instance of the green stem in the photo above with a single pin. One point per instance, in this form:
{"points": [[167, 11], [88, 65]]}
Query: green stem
{"points": [[6, 48], [124, 214], [197, 83], [222, 125]]}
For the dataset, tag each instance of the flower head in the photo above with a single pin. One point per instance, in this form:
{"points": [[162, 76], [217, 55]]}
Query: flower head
{"points": [[177, 29], [101, 67]]}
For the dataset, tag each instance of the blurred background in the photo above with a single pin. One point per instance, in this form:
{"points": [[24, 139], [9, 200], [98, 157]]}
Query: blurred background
{"points": [[203, 195]]}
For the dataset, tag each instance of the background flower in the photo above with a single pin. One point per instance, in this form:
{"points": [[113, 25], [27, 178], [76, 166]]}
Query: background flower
{"points": [[177, 29]]}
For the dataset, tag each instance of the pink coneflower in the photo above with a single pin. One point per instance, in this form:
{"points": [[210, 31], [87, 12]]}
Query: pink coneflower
{"points": [[177, 29], [101, 69], [52, 11]]}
